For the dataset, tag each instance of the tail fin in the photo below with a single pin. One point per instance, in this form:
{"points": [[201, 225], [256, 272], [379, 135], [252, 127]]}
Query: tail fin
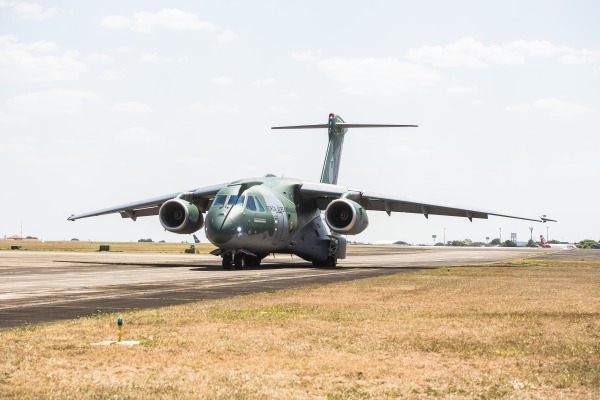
{"points": [[333, 157], [336, 128]]}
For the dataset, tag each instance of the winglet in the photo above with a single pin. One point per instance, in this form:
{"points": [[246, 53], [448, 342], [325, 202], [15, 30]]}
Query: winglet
{"points": [[546, 219]]}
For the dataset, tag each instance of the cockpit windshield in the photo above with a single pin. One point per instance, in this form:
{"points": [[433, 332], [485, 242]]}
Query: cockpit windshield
{"points": [[232, 200], [219, 200]]}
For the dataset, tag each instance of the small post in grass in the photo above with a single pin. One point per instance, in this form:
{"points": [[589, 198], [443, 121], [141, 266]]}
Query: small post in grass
{"points": [[120, 325]]}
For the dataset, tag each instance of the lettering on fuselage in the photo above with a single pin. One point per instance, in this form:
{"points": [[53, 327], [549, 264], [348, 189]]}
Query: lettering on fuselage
{"points": [[281, 209]]}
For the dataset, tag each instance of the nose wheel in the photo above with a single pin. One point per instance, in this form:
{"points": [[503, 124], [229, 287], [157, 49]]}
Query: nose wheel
{"points": [[240, 261], [227, 261]]}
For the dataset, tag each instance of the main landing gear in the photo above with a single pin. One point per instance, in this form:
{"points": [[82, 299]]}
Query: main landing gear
{"points": [[331, 262], [337, 245], [240, 261]]}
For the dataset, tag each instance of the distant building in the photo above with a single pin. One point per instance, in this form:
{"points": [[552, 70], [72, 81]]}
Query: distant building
{"points": [[15, 237], [18, 238]]}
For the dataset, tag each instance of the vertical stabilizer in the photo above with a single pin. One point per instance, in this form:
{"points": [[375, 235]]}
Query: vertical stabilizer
{"points": [[337, 128], [333, 157]]}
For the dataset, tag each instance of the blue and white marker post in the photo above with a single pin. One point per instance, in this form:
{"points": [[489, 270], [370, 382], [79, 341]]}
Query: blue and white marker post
{"points": [[120, 340], [120, 325]]}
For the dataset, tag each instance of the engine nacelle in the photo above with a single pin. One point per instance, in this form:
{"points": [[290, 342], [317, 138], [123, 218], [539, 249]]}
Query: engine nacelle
{"points": [[180, 216], [346, 217]]}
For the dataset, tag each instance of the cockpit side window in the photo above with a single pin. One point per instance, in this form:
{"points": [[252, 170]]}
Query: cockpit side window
{"points": [[240, 201], [260, 206], [250, 204], [219, 200]]}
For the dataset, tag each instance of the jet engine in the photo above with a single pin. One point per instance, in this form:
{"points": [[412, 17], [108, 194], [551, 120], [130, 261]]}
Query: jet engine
{"points": [[346, 217], [180, 216]]}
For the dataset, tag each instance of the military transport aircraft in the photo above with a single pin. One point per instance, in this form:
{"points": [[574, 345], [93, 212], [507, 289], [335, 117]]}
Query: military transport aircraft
{"points": [[251, 218]]}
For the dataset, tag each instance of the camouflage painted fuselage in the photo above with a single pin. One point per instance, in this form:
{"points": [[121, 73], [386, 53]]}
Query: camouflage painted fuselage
{"points": [[267, 215]]}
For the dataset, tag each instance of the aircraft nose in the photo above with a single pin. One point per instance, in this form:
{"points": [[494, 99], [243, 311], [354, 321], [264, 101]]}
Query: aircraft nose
{"points": [[223, 226], [219, 230]]}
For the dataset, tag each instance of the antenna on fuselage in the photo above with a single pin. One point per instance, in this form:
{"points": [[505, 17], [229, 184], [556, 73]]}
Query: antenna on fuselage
{"points": [[337, 128]]}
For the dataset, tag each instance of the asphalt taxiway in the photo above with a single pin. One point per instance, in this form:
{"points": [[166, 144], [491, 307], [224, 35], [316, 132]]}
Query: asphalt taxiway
{"points": [[42, 287]]}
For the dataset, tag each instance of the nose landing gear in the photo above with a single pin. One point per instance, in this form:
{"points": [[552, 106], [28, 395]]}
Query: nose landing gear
{"points": [[227, 264], [240, 260]]}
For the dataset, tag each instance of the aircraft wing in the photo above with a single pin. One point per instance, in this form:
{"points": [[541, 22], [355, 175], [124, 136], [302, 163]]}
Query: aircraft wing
{"points": [[325, 193], [151, 206]]}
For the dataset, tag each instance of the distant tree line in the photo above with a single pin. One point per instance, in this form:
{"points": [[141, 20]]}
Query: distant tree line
{"points": [[588, 244], [470, 243], [150, 241], [584, 244]]}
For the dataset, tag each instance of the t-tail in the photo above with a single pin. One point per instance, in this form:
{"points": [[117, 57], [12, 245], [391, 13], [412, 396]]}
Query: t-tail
{"points": [[337, 128]]}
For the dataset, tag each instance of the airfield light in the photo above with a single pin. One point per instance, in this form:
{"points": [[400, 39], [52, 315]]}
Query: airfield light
{"points": [[120, 325]]}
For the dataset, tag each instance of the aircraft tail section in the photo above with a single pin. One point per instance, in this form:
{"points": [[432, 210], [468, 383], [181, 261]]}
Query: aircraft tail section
{"points": [[336, 128], [543, 243], [333, 157]]}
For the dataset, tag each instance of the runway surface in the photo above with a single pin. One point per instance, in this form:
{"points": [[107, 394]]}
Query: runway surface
{"points": [[42, 287]]}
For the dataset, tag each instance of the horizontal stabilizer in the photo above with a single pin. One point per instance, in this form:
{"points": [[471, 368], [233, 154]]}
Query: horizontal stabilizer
{"points": [[344, 125]]}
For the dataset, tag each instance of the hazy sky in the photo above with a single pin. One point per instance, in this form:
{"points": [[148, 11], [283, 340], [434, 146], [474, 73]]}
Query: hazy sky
{"points": [[103, 103]]}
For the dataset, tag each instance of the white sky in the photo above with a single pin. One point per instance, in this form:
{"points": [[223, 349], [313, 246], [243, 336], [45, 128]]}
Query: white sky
{"points": [[103, 103]]}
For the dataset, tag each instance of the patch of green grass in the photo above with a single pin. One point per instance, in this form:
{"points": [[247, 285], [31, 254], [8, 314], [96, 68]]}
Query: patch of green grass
{"points": [[273, 312]]}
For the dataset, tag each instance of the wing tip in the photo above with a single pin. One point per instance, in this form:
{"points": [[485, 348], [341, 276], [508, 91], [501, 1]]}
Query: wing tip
{"points": [[545, 219]]}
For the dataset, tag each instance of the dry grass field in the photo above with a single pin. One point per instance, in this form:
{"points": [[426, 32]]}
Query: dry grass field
{"points": [[527, 329], [123, 247]]}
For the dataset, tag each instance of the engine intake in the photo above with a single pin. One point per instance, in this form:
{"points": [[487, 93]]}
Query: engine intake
{"points": [[346, 217], [180, 216]]}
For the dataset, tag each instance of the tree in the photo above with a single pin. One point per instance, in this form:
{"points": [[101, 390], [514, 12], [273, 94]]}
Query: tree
{"points": [[145, 240], [531, 243], [458, 243], [495, 242], [509, 243], [588, 244], [554, 241]]}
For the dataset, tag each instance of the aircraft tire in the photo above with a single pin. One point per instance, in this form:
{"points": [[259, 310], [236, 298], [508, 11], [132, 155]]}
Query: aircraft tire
{"points": [[240, 261], [227, 261], [331, 262]]}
